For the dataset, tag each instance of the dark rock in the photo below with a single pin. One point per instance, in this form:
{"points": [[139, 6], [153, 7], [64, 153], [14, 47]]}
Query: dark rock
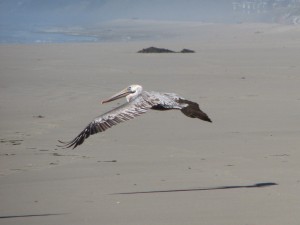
{"points": [[155, 50], [187, 51], [163, 50], [39, 116]]}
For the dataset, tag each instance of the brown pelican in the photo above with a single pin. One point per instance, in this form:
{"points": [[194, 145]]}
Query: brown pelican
{"points": [[138, 102]]}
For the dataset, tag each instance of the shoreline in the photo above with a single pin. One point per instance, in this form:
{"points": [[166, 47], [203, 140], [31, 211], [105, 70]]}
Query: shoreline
{"points": [[126, 31]]}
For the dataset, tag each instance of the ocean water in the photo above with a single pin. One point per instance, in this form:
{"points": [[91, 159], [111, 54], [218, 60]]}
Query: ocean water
{"points": [[39, 35], [31, 36]]}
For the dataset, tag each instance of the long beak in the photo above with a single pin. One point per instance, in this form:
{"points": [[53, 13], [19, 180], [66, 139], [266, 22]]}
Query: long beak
{"points": [[121, 94]]}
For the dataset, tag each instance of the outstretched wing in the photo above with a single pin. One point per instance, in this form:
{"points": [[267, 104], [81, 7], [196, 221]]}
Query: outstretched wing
{"points": [[173, 101], [118, 115], [193, 110]]}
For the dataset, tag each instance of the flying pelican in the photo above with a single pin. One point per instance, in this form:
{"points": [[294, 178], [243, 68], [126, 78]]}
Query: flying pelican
{"points": [[138, 102]]}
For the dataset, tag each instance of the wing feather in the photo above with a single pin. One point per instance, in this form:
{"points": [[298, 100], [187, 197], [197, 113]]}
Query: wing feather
{"points": [[118, 115], [193, 110]]}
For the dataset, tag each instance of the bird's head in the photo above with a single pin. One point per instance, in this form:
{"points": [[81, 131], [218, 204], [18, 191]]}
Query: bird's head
{"points": [[131, 92]]}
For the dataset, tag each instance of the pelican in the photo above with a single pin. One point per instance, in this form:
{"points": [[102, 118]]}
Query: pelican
{"points": [[138, 102]]}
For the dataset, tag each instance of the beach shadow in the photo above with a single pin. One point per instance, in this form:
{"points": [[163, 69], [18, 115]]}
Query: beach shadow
{"points": [[257, 185], [32, 215]]}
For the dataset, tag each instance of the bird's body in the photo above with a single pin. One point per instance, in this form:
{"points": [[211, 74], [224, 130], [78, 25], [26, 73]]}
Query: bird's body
{"points": [[138, 102]]}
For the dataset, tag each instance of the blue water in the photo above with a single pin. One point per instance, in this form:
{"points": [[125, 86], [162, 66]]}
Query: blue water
{"points": [[18, 36], [44, 34]]}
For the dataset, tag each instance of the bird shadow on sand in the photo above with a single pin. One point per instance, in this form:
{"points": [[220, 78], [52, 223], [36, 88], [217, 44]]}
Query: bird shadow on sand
{"points": [[257, 185], [32, 215]]}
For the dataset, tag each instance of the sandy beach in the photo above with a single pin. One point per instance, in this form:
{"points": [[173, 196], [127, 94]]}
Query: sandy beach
{"points": [[161, 168]]}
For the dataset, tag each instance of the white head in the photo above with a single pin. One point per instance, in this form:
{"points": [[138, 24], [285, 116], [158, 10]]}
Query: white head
{"points": [[131, 92]]}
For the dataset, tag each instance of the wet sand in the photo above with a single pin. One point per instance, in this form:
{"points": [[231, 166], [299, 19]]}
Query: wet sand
{"points": [[161, 168]]}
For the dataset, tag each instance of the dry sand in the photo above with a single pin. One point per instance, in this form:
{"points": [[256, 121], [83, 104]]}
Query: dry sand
{"points": [[171, 169]]}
